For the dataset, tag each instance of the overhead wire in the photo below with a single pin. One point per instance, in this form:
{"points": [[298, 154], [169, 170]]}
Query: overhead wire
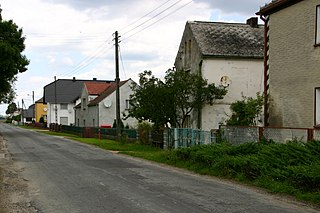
{"points": [[186, 4], [156, 15], [98, 53], [124, 71]]}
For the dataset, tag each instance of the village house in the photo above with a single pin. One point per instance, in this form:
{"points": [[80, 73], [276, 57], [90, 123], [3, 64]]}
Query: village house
{"points": [[98, 104], [292, 63], [226, 54], [61, 96], [40, 110]]}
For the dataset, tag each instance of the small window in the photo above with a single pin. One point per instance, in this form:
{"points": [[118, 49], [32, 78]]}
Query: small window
{"points": [[84, 103], [318, 26], [63, 106], [128, 104]]}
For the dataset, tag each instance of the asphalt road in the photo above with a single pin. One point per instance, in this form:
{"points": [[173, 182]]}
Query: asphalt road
{"points": [[67, 176]]}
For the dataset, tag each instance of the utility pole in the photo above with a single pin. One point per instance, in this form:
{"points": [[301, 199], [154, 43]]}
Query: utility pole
{"points": [[55, 100], [118, 121]]}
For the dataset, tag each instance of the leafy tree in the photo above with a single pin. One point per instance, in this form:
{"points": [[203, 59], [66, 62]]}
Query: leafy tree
{"points": [[11, 59], [152, 100], [171, 101], [190, 92], [246, 112], [12, 107]]}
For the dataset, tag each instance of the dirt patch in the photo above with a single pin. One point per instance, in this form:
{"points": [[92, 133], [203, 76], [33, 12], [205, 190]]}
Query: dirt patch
{"points": [[14, 192]]}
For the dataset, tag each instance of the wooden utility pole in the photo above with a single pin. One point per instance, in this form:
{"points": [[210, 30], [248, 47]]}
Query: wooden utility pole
{"points": [[118, 119], [55, 101]]}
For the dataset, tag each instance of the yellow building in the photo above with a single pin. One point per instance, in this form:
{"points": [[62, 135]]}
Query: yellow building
{"points": [[40, 110]]}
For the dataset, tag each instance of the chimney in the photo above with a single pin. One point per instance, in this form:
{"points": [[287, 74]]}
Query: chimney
{"points": [[253, 22], [94, 79]]}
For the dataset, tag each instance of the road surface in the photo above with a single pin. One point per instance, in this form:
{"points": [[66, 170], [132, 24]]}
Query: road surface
{"points": [[67, 176]]}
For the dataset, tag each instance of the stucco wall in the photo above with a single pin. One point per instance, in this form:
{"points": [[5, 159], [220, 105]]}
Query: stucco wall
{"points": [[246, 79], [294, 65], [107, 115], [40, 111], [69, 113]]}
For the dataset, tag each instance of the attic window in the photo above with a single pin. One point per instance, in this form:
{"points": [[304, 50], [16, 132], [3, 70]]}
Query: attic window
{"points": [[318, 26]]}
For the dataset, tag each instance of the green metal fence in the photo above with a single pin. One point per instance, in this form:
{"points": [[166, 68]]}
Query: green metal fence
{"points": [[182, 137]]}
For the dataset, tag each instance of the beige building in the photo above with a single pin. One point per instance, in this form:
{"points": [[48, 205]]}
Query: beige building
{"points": [[292, 62], [226, 54]]}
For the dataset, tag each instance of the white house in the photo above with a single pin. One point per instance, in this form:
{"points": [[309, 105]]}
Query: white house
{"points": [[61, 96], [228, 54], [100, 109]]}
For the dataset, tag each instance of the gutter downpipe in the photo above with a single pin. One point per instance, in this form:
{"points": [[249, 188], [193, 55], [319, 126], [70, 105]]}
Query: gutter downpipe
{"points": [[265, 92]]}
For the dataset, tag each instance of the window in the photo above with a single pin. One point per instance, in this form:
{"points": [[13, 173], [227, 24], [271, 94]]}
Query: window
{"points": [[128, 104], [317, 107], [318, 26], [64, 120], [63, 106], [84, 103]]}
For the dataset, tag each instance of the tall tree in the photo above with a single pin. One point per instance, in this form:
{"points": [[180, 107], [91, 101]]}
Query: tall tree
{"points": [[171, 101], [12, 61], [12, 107]]}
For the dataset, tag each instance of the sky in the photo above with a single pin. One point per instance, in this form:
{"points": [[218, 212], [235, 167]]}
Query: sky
{"points": [[74, 38]]}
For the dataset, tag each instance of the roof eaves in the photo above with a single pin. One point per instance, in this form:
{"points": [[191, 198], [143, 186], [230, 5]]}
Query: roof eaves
{"points": [[233, 56], [275, 6]]}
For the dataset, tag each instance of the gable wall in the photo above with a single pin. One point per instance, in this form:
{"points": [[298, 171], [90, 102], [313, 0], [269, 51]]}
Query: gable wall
{"points": [[246, 79]]}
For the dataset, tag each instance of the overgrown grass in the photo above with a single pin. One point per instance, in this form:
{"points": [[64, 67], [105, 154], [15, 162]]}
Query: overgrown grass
{"points": [[291, 169]]}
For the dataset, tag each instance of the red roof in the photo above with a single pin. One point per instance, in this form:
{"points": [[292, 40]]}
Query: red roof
{"points": [[95, 88]]}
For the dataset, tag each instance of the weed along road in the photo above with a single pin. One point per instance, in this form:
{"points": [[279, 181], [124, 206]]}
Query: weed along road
{"points": [[67, 176]]}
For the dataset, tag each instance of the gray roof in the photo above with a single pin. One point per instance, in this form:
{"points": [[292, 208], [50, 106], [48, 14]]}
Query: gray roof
{"points": [[28, 113], [67, 90], [228, 39]]}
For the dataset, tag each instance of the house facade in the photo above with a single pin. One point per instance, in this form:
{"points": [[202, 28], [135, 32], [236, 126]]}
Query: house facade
{"points": [[61, 96], [97, 110], [292, 71], [226, 54], [40, 110]]}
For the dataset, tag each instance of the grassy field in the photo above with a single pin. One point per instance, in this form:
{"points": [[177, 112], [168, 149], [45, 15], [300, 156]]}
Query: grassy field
{"points": [[290, 169]]}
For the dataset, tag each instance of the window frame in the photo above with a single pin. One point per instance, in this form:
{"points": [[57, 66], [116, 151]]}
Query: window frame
{"points": [[317, 28], [63, 106]]}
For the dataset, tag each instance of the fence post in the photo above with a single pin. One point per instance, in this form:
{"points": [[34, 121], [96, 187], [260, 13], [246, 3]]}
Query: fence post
{"points": [[99, 136], [175, 138], [310, 134], [260, 130]]}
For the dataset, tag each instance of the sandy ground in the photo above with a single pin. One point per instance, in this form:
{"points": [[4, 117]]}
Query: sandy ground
{"points": [[14, 195]]}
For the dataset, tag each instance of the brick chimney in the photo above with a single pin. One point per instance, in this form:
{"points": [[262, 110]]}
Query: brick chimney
{"points": [[253, 22]]}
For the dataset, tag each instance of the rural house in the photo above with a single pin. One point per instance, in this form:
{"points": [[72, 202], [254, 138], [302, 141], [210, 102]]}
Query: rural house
{"points": [[227, 54], [40, 110], [292, 62], [98, 104], [61, 96]]}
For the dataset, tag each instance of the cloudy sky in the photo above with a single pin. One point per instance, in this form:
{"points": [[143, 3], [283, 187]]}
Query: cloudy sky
{"points": [[74, 38]]}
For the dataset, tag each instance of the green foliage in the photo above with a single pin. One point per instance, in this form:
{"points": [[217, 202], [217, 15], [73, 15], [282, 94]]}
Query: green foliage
{"points": [[292, 168], [11, 59], [144, 128], [12, 107], [171, 101], [246, 111]]}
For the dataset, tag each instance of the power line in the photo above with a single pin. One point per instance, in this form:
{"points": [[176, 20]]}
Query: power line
{"points": [[158, 20], [144, 15], [124, 71], [152, 17]]}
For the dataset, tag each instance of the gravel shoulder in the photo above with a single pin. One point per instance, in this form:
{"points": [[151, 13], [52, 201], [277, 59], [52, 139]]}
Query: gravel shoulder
{"points": [[13, 188]]}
